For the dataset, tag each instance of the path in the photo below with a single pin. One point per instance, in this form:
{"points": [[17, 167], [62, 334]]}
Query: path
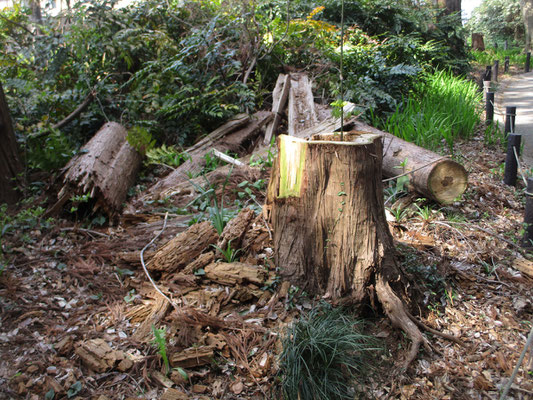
{"points": [[518, 91]]}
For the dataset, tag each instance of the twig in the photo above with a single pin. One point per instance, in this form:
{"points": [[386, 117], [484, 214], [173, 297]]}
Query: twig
{"points": [[17, 24], [515, 371], [519, 166], [414, 170], [435, 332], [88, 231], [146, 269]]}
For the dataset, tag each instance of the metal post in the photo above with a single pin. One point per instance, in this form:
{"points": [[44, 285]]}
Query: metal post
{"points": [[511, 163], [488, 73], [495, 70], [527, 240], [510, 115], [489, 108], [528, 60], [506, 66]]}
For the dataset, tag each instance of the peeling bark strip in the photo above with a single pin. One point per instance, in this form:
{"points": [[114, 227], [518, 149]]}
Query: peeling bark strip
{"points": [[279, 100], [330, 232], [442, 180], [105, 168], [302, 114]]}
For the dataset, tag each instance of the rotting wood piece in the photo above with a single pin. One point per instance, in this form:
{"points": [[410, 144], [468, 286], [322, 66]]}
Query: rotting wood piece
{"points": [[180, 251], [192, 357], [201, 261], [159, 310], [97, 355], [235, 230], [236, 272], [105, 169], [302, 114], [331, 236], [433, 176]]}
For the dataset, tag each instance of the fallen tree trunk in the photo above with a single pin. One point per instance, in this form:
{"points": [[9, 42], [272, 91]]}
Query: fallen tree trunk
{"points": [[331, 236], [238, 135], [279, 100], [105, 169], [430, 174]]}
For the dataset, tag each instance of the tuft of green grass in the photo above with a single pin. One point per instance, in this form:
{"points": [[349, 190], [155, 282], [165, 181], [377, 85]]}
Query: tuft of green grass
{"points": [[325, 356], [489, 55], [443, 108]]}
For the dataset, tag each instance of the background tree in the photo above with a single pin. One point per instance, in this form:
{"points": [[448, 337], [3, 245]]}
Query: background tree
{"points": [[527, 15], [498, 20], [10, 165]]}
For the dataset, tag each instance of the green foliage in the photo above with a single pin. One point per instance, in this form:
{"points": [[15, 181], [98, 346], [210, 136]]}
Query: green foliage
{"points": [[229, 254], [140, 139], [487, 57], [325, 356], [444, 108], [167, 155], [497, 20], [160, 342]]}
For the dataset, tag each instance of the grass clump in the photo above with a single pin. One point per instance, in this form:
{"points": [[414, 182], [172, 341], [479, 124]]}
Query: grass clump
{"points": [[325, 356], [489, 55], [443, 108]]}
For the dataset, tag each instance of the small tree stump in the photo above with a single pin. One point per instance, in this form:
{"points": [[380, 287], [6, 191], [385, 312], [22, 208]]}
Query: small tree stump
{"points": [[477, 42], [330, 232]]}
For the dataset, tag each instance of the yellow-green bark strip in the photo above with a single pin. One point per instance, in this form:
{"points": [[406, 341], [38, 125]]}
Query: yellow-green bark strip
{"points": [[292, 163]]}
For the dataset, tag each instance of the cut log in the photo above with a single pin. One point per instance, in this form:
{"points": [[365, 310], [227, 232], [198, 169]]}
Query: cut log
{"points": [[234, 136], [331, 236], [105, 169], [434, 176], [180, 251], [279, 100], [302, 114]]}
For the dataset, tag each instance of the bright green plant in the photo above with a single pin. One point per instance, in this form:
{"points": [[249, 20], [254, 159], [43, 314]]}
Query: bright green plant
{"points": [[166, 155], [161, 343], [140, 139], [325, 356], [425, 214], [399, 213], [229, 254], [443, 109]]}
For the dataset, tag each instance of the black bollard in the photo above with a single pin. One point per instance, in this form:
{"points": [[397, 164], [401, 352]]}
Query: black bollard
{"points": [[527, 240], [511, 163], [510, 115], [488, 73], [506, 65], [528, 60], [495, 70], [489, 108]]}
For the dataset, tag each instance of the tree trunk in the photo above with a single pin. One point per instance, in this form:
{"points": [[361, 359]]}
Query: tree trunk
{"points": [[451, 6], [10, 165], [477, 42], [105, 170], [527, 14], [436, 177], [331, 237]]}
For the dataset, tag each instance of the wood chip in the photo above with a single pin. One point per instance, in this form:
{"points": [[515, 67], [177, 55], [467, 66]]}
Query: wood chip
{"points": [[174, 394], [233, 273], [192, 357], [524, 266]]}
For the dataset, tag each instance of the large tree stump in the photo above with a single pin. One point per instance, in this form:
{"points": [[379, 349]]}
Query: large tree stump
{"points": [[330, 232]]}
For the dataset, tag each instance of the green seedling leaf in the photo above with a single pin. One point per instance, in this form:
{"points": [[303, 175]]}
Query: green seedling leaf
{"points": [[74, 389], [50, 395], [199, 272]]}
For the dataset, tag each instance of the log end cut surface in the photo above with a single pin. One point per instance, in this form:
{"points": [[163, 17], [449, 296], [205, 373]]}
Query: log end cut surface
{"points": [[447, 181]]}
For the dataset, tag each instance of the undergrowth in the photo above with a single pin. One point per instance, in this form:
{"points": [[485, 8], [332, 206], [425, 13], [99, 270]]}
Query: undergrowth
{"points": [[325, 356], [442, 108]]}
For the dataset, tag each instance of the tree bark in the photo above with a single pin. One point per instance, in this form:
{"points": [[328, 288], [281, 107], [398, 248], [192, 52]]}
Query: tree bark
{"points": [[527, 15], [331, 237], [302, 114], [10, 164], [477, 42], [436, 177]]}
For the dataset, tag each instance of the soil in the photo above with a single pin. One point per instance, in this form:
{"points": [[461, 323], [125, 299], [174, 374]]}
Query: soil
{"points": [[77, 308]]}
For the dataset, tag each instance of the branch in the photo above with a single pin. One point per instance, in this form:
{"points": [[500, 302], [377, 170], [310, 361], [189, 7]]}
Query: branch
{"points": [[17, 24]]}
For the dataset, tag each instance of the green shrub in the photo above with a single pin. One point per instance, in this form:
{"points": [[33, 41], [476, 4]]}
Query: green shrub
{"points": [[325, 356]]}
